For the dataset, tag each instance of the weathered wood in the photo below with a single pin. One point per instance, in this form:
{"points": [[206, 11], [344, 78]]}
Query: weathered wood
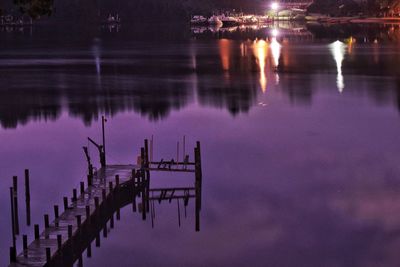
{"points": [[87, 215], [16, 213], [27, 198]]}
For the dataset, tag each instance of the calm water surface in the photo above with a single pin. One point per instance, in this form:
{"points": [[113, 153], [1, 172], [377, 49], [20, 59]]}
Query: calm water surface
{"points": [[300, 133]]}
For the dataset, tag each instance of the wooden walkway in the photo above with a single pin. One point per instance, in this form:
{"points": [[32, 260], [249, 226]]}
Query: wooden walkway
{"points": [[85, 216]]}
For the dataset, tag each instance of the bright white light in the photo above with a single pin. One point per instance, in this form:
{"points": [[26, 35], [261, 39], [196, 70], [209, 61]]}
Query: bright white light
{"points": [[274, 6], [275, 33], [276, 51], [338, 50]]}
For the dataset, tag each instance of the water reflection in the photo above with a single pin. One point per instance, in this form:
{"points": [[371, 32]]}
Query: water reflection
{"points": [[260, 50], [153, 79], [338, 50]]}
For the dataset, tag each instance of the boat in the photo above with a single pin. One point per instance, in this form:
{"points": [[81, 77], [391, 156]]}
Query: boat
{"points": [[112, 20], [228, 21], [215, 21], [199, 20]]}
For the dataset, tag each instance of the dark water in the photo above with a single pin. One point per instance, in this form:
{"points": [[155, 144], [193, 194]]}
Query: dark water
{"points": [[299, 127]]}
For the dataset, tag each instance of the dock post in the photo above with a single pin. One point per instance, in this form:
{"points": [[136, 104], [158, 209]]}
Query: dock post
{"points": [[146, 152], [56, 215], [25, 245], [104, 194], [27, 198], [12, 216], [79, 221], [46, 221], [59, 242], [112, 221], [82, 187], [36, 229], [134, 190], [89, 250], [89, 180], [16, 220], [143, 183], [48, 255], [87, 212], [13, 254], [197, 188], [105, 230], [74, 195], [65, 203], [103, 120], [118, 212]]}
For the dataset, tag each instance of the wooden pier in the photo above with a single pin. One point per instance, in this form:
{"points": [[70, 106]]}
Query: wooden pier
{"points": [[87, 214]]}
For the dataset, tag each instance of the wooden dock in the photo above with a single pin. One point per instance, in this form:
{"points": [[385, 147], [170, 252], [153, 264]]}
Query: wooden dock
{"points": [[87, 214]]}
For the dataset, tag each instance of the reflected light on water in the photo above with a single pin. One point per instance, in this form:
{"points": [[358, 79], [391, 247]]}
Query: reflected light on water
{"points": [[276, 51], [338, 50], [96, 55], [224, 49], [260, 50]]}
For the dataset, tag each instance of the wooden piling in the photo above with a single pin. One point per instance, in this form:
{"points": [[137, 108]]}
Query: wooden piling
{"points": [[134, 190], [46, 221], [56, 215], [74, 194], [82, 187], [25, 245], [13, 254], [59, 242], [36, 231], [89, 250], [87, 212], [89, 180], [12, 215], [27, 198], [105, 230], [16, 214], [112, 221], [65, 199], [48, 256]]}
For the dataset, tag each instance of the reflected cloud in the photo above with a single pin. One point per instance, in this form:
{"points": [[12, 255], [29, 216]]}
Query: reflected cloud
{"points": [[338, 50]]}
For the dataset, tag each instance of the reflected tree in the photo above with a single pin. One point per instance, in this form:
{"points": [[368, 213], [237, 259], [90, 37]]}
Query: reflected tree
{"points": [[35, 8]]}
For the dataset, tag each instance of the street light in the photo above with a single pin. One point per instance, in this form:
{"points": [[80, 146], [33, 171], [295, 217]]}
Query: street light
{"points": [[274, 6]]}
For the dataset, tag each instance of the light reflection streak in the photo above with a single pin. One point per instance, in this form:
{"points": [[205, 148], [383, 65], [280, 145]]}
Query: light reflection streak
{"points": [[224, 49], [338, 50], [260, 50]]}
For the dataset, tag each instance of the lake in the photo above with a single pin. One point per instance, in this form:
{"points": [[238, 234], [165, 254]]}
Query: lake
{"points": [[299, 127]]}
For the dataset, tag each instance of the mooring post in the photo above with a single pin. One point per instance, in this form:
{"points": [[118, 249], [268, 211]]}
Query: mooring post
{"points": [[27, 198], [79, 221], [104, 194], [146, 151], [48, 255], [118, 213], [88, 213], [112, 221], [134, 190], [36, 231], [197, 189], [56, 215], [200, 174], [12, 216], [71, 249], [103, 120], [13, 254], [59, 242], [25, 245], [46, 221], [82, 187], [16, 220], [89, 180], [74, 195], [89, 250], [65, 203], [143, 185], [105, 230]]}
